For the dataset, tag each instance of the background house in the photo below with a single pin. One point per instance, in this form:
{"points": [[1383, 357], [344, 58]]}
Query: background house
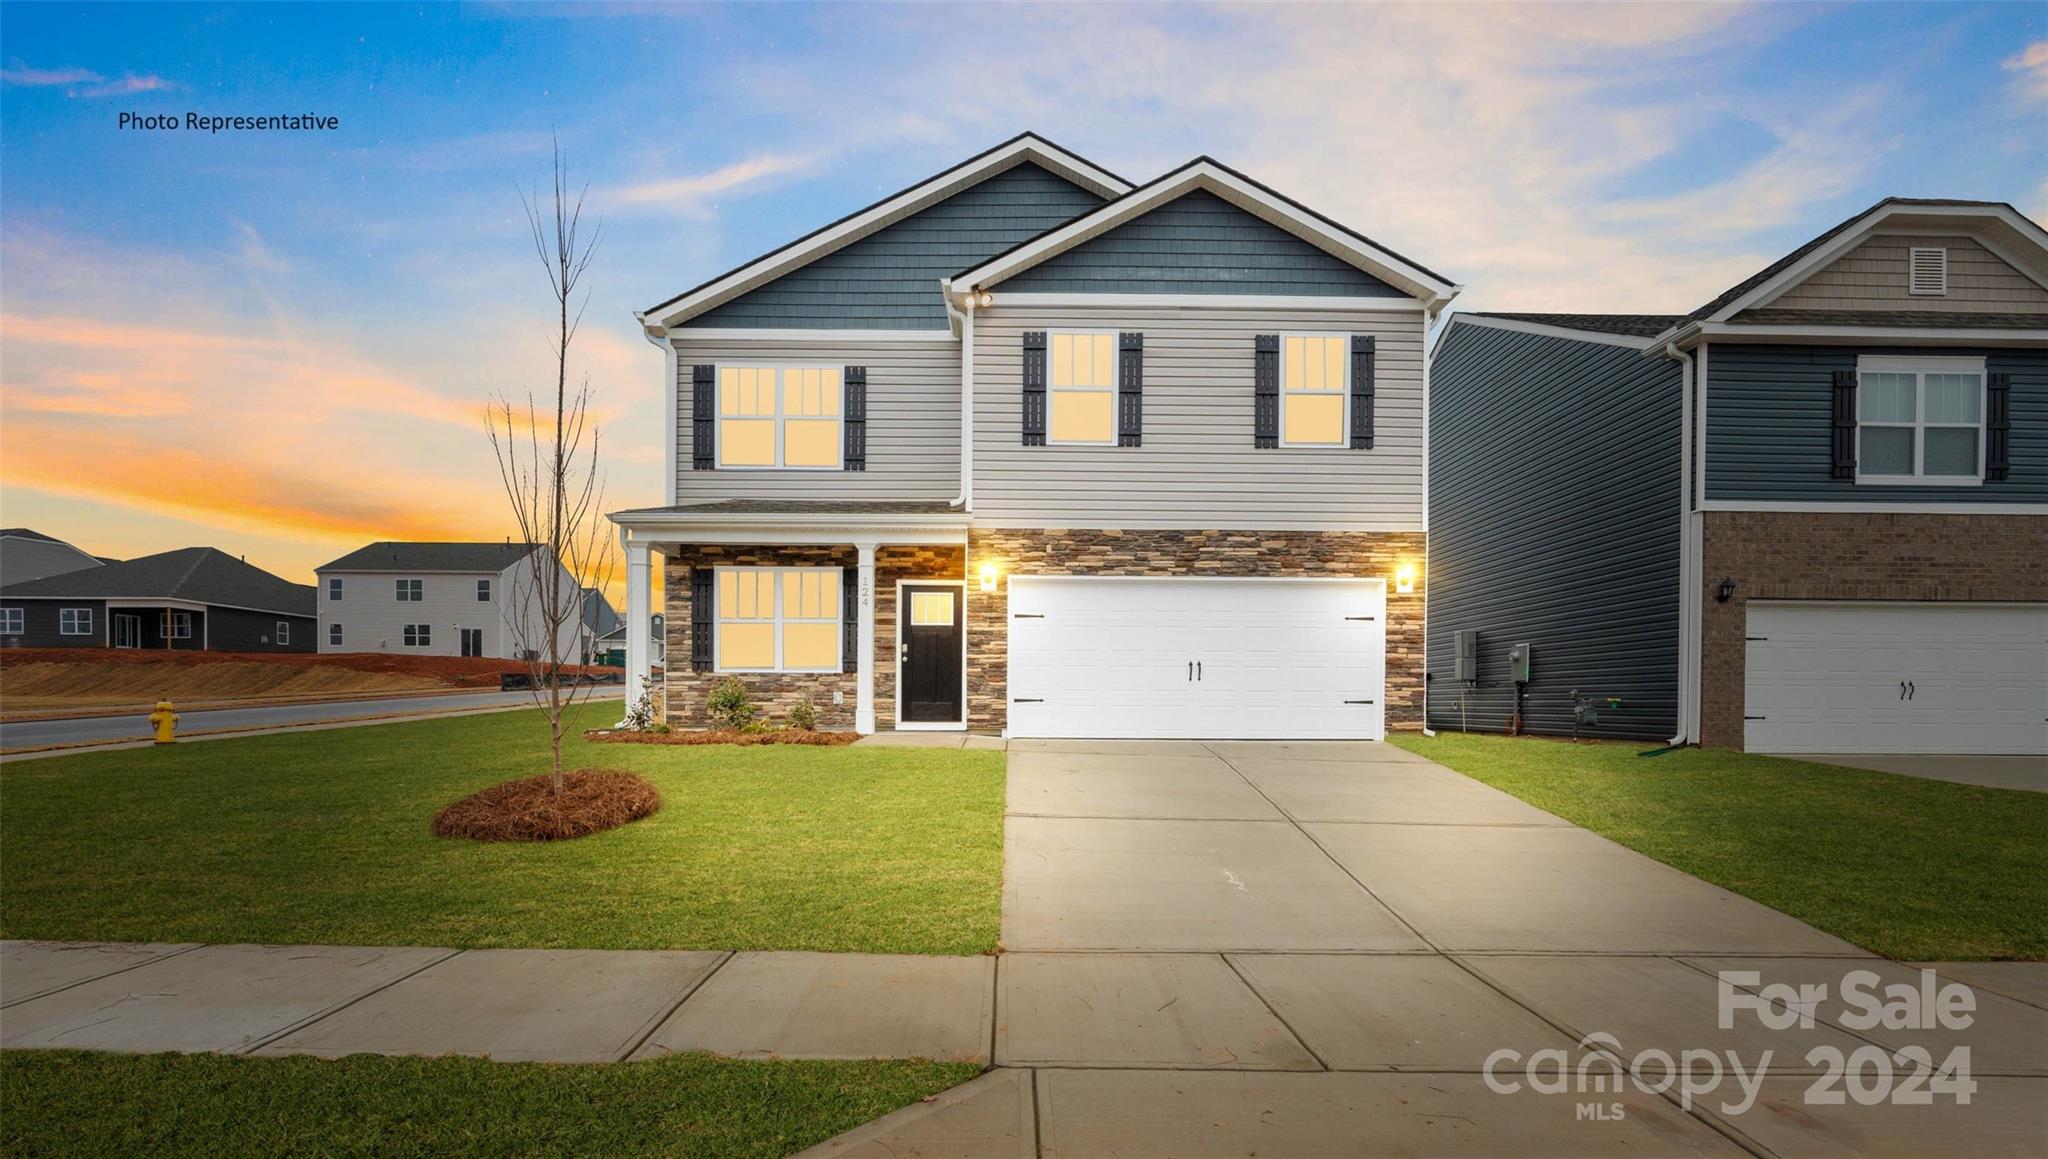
{"points": [[610, 648], [195, 598], [27, 555], [444, 599], [600, 620]]}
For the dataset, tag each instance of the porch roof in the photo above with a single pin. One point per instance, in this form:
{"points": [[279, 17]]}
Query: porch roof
{"points": [[797, 521]]}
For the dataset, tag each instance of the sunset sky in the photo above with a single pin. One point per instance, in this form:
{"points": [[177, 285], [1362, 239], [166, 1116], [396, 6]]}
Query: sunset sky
{"points": [[280, 344]]}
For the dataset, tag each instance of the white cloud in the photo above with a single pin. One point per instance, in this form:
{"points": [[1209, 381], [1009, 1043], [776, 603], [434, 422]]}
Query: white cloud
{"points": [[2030, 65], [82, 82], [693, 194]]}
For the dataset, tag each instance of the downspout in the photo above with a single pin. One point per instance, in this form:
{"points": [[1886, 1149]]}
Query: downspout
{"points": [[658, 335], [1688, 563], [963, 321], [1430, 309]]}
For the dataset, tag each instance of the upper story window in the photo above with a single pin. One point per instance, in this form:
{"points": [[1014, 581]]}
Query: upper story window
{"points": [[785, 416], [1920, 420], [778, 619], [483, 591], [411, 591], [1315, 380], [1081, 394], [11, 622], [74, 621], [334, 588]]}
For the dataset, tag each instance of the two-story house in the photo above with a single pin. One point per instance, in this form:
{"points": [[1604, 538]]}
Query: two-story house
{"points": [[444, 599], [1811, 516], [1025, 448]]}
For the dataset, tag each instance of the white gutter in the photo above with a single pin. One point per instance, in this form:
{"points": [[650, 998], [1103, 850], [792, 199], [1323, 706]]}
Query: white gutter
{"points": [[658, 335], [1688, 563]]}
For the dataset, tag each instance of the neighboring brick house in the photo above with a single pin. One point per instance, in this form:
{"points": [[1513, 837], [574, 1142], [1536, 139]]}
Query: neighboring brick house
{"points": [[1810, 516], [190, 599], [1026, 449]]}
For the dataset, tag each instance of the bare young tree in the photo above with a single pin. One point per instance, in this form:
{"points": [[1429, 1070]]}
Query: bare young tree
{"points": [[547, 460]]}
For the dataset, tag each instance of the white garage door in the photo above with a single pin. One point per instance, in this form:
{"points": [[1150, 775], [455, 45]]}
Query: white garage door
{"points": [[1897, 678], [1192, 657]]}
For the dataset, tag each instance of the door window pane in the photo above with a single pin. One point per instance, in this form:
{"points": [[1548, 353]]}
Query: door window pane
{"points": [[931, 609]]}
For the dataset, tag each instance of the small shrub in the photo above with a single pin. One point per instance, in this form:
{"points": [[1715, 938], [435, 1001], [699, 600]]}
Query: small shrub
{"points": [[802, 717], [729, 706], [640, 717]]}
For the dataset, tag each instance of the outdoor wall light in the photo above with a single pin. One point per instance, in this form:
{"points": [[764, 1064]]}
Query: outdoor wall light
{"points": [[1725, 592], [988, 577], [984, 299], [1404, 578]]}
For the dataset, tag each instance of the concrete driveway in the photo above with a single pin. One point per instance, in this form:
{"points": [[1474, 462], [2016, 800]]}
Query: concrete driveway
{"points": [[1313, 949], [2027, 773]]}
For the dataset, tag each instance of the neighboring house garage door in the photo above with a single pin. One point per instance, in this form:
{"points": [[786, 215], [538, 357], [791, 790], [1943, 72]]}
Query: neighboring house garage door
{"points": [[1896, 678], [1196, 657]]}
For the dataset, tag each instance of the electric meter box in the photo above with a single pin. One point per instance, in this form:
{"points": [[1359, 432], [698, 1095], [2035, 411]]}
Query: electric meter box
{"points": [[1518, 663]]}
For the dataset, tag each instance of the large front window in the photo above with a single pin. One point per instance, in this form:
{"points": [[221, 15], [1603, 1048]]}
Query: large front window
{"points": [[779, 416], [1920, 420], [1314, 379], [783, 619], [1082, 399]]}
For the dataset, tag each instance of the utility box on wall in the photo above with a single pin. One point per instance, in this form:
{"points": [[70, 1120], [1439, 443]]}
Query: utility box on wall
{"points": [[1518, 663], [1465, 668]]}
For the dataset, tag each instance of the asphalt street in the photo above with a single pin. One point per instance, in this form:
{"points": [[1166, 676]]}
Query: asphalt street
{"points": [[135, 726]]}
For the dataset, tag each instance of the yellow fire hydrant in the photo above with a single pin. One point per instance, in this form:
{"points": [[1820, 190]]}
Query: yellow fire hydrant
{"points": [[165, 722]]}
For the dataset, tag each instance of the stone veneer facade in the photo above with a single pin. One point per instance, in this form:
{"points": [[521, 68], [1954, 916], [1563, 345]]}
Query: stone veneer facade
{"points": [[1783, 555], [774, 693], [1069, 551]]}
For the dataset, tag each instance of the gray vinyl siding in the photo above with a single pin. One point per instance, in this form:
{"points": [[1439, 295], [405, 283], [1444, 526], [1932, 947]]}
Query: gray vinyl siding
{"points": [[1197, 467], [1769, 410], [1198, 244], [236, 630], [913, 421], [41, 621], [1554, 491], [889, 280]]}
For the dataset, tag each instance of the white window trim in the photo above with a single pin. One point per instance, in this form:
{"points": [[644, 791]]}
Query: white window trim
{"points": [[74, 616], [284, 631], [334, 589], [334, 635], [1344, 420], [1920, 368], [718, 416], [13, 621], [483, 591], [1115, 367], [173, 620], [1912, 259], [423, 635], [404, 593], [838, 620]]}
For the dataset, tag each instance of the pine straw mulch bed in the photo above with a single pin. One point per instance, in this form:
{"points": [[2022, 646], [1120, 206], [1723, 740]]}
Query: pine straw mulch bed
{"points": [[722, 736], [527, 809]]}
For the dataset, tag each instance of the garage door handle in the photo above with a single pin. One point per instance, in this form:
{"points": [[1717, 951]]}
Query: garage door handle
{"points": [[1198, 671], [1191, 671], [1902, 690], [1910, 690]]}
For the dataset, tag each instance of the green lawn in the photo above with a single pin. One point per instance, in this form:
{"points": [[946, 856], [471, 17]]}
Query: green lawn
{"points": [[1913, 869], [322, 837], [68, 1103]]}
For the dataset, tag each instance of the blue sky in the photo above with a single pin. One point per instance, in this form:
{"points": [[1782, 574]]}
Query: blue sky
{"points": [[279, 343]]}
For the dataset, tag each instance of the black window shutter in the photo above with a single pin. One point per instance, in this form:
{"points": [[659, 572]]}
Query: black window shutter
{"points": [[1998, 425], [703, 620], [1266, 390], [849, 619], [856, 418], [1363, 347], [1845, 424], [1130, 389], [1034, 388], [704, 417]]}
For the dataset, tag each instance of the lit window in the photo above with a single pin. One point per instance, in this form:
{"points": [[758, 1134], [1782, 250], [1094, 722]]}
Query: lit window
{"points": [[419, 635], [1081, 400], [334, 587], [779, 417], [1315, 377], [1920, 420], [284, 632], [778, 619], [931, 609], [334, 635], [411, 591], [483, 591], [177, 625], [74, 622], [11, 622]]}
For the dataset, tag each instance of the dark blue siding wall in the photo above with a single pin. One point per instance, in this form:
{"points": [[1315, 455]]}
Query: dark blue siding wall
{"points": [[1198, 244], [889, 280], [42, 621], [1769, 410], [1553, 491]]}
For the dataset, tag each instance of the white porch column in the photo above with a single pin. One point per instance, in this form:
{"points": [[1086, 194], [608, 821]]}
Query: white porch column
{"points": [[864, 664], [638, 593]]}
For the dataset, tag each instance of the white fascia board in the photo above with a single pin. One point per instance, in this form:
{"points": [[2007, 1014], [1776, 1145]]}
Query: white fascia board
{"points": [[678, 337], [1874, 335], [1856, 235], [883, 213], [1211, 302], [1521, 327], [1879, 507], [1237, 191]]}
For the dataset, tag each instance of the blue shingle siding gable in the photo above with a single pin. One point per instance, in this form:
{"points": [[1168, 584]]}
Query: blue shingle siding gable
{"points": [[1553, 494], [1198, 243], [889, 280], [1768, 427]]}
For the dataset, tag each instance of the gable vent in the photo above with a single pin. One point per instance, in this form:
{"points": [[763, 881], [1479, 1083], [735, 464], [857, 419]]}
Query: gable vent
{"points": [[1927, 271]]}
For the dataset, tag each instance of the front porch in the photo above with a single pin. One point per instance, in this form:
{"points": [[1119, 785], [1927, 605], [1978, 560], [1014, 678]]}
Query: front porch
{"points": [[156, 624], [799, 601]]}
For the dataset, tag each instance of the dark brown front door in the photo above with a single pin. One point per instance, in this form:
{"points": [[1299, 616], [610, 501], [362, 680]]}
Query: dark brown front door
{"points": [[930, 622]]}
